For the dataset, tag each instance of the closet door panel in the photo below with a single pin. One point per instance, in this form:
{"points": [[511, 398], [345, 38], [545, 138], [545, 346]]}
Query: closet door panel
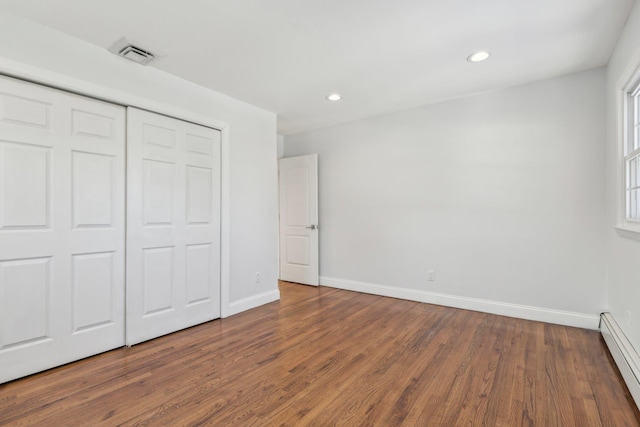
{"points": [[173, 237], [61, 227]]}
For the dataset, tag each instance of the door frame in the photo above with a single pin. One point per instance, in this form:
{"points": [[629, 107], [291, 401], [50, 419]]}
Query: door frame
{"points": [[17, 70]]}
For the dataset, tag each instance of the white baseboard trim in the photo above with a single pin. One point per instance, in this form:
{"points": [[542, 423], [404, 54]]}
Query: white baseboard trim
{"points": [[624, 354], [251, 302], [540, 314]]}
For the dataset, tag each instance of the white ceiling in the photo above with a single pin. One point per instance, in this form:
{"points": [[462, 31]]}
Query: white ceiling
{"points": [[382, 56]]}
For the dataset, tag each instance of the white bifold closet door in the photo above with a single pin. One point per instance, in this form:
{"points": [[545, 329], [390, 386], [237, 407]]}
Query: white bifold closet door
{"points": [[173, 225], [62, 192]]}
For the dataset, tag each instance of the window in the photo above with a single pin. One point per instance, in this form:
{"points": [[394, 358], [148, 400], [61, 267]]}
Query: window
{"points": [[632, 153]]}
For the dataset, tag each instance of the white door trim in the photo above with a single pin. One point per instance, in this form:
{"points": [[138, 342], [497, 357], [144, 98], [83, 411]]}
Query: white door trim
{"points": [[44, 77]]}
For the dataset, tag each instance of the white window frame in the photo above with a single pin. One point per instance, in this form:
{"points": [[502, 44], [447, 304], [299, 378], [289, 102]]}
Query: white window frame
{"points": [[631, 153]]}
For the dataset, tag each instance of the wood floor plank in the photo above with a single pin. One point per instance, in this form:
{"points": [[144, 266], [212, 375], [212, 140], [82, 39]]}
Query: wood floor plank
{"points": [[324, 357]]}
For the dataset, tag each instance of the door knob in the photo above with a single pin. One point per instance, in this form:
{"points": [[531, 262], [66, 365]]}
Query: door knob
{"points": [[312, 227]]}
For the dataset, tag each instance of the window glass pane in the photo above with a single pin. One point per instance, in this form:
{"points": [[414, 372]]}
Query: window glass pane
{"points": [[634, 204], [634, 122], [632, 173]]}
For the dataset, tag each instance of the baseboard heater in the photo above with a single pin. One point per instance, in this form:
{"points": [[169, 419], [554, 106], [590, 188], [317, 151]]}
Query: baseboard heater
{"points": [[624, 354]]}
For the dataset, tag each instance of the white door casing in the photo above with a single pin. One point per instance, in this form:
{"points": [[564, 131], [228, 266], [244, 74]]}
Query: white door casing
{"points": [[173, 225], [62, 191], [298, 181]]}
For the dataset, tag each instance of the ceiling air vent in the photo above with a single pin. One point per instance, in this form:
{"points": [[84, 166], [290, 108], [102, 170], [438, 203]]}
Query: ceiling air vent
{"points": [[136, 54], [134, 51]]}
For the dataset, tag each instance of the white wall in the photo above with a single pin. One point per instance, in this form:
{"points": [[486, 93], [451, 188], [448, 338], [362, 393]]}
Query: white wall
{"points": [[623, 253], [280, 146], [63, 60], [501, 194]]}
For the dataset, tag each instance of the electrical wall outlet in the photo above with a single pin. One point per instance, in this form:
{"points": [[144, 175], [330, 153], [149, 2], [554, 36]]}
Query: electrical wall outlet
{"points": [[257, 278], [431, 275]]}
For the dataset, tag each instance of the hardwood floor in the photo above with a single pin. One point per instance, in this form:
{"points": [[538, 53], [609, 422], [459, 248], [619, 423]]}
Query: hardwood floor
{"points": [[328, 357]]}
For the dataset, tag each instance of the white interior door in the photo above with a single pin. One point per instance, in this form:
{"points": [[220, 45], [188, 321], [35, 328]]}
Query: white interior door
{"points": [[61, 227], [299, 219], [173, 225]]}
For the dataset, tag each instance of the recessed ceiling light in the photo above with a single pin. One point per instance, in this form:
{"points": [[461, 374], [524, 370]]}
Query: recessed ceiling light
{"points": [[478, 56], [334, 97]]}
